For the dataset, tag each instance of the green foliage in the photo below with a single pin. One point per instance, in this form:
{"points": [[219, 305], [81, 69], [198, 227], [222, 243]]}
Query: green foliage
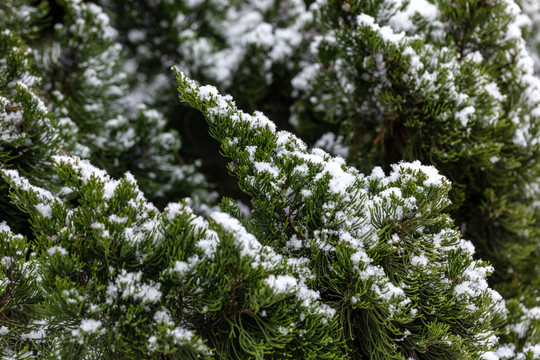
{"points": [[124, 280], [29, 132], [325, 262], [449, 84], [20, 293], [23, 17], [83, 69], [400, 276], [246, 48], [531, 24]]}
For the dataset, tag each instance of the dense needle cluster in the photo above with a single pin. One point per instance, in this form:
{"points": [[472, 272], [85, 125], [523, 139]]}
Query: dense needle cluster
{"points": [[385, 197]]}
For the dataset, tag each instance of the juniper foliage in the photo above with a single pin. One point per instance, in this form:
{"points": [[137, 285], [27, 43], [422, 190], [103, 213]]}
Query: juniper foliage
{"points": [[446, 83], [123, 280], [402, 279], [83, 69], [349, 265], [30, 133], [19, 295]]}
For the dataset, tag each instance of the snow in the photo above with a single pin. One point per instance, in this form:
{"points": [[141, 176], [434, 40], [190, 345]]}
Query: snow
{"points": [[243, 27], [45, 210], [24, 185], [386, 32], [136, 35], [405, 170], [7, 261], [181, 267], [267, 167], [473, 281], [87, 326], [490, 356], [306, 192], [37, 101], [302, 80], [340, 179], [377, 173], [56, 249], [301, 169], [419, 260], [180, 334], [87, 172], [282, 283], [475, 56], [90, 325], [534, 349], [507, 350], [534, 313], [520, 329], [262, 34], [208, 92], [402, 20], [261, 121], [294, 243], [464, 115], [162, 316], [333, 144], [209, 244], [6, 230], [152, 342], [360, 257], [389, 292], [285, 43], [83, 167], [493, 90], [113, 218], [249, 245], [129, 284], [34, 335]]}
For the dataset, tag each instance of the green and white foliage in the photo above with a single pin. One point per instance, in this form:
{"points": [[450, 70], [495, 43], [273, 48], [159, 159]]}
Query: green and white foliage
{"points": [[521, 338], [29, 133], [117, 131], [152, 156], [448, 83], [248, 38], [28, 129], [81, 68], [20, 293], [401, 277], [248, 48], [530, 21], [23, 17], [124, 280]]}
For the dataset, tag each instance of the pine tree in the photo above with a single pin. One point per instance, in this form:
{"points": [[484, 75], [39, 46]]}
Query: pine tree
{"points": [[240, 46], [117, 130], [450, 84], [330, 262], [529, 21], [382, 94], [123, 280], [34, 127], [19, 295], [402, 279], [30, 134], [246, 48]]}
